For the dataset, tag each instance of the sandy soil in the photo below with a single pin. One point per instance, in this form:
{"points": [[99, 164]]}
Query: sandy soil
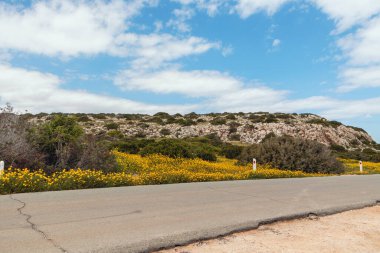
{"points": [[352, 231]]}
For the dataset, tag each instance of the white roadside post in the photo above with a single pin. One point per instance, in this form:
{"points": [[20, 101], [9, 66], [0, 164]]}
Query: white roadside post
{"points": [[254, 164], [361, 166], [1, 168]]}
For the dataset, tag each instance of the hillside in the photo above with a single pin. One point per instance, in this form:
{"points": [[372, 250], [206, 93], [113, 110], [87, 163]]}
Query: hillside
{"points": [[232, 127]]}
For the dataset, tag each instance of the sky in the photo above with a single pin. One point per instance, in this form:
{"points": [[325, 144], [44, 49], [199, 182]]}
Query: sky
{"points": [[146, 56]]}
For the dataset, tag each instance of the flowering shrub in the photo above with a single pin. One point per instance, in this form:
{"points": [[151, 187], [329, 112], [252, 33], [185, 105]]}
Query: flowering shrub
{"points": [[137, 170]]}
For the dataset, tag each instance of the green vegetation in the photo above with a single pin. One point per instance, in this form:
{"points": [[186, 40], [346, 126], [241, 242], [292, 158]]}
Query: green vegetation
{"points": [[325, 122], [58, 141], [112, 126], [293, 154], [218, 121]]}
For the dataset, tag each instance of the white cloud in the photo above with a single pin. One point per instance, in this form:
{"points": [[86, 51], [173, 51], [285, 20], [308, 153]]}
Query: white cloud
{"points": [[179, 21], [359, 77], [189, 83], [254, 99], [363, 46], [66, 28], [276, 43], [210, 6], [40, 92], [155, 50], [354, 108], [361, 49], [348, 13], [246, 8]]}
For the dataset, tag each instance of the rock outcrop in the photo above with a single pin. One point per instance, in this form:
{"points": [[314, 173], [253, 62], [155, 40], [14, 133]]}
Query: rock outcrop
{"points": [[244, 127]]}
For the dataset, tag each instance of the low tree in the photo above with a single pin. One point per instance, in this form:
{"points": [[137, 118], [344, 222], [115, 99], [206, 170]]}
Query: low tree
{"points": [[15, 149], [57, 139]]}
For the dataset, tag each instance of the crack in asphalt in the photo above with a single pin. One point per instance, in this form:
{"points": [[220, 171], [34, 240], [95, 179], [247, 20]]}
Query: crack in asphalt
{"points": [[34, 226]]}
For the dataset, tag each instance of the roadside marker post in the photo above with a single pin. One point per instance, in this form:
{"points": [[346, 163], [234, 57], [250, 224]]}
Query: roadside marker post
{"points": [[254, 164], [1, 168], [361, 166]]}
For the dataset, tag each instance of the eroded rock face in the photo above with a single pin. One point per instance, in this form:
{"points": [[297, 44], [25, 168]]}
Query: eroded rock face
{"points": [[245, 127]]}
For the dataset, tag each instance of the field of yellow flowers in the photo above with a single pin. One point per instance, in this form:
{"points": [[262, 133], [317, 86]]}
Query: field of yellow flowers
{"points": [[152, 169], [352, 167]]}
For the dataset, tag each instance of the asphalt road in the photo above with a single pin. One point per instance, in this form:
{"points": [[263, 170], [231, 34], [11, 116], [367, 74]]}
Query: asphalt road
{"points": [[144, 218]]}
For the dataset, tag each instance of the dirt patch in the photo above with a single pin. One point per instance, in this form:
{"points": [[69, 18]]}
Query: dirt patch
{"points": [[352, 231]]}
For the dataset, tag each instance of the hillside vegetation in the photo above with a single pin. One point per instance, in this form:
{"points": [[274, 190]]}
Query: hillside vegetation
{"points": [[59, 151], [246, 128]]}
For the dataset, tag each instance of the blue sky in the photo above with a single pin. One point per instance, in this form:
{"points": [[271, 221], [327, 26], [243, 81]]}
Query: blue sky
{"points": [[144, 56]]}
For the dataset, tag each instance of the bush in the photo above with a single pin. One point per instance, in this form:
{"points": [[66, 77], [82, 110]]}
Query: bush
{"points": [[324, 122], [248, 153], [96, 155], [231, 151], [133, 146], [191, 115], [156, 119], [162, 115], [365, 155], [15, 148], [338, 148], [207, 156], [231, 117], [59, 140], [83, 118], [185, 122], [99, 116], [234, 137], [165, 131], [218, 121], [112, 126], [294, 154], [115, 134], [64, 145], [190, 148], [169, 147]]}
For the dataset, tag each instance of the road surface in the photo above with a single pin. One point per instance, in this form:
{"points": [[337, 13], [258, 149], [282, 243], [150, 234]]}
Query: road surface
{"points": [[146, 218]]}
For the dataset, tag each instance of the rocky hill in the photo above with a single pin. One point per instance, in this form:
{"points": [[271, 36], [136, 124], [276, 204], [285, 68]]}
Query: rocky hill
{"points": [[232, 127]]}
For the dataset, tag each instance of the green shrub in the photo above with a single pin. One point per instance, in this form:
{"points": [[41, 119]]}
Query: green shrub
{"points": [[294, 154], [169, 147], [231, 151], [163, 115], [99, 116], [324, 122], [58, 139], [338, 148], [234, 137], [112, 126], [231, 117], [83, 118], [165, 131], [185, 122], [207, 156], [218, 121], [191, 115], [115, 134]]}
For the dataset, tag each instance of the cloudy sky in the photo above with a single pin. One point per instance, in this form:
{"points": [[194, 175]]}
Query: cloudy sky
{"points": [[144, 56]]}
